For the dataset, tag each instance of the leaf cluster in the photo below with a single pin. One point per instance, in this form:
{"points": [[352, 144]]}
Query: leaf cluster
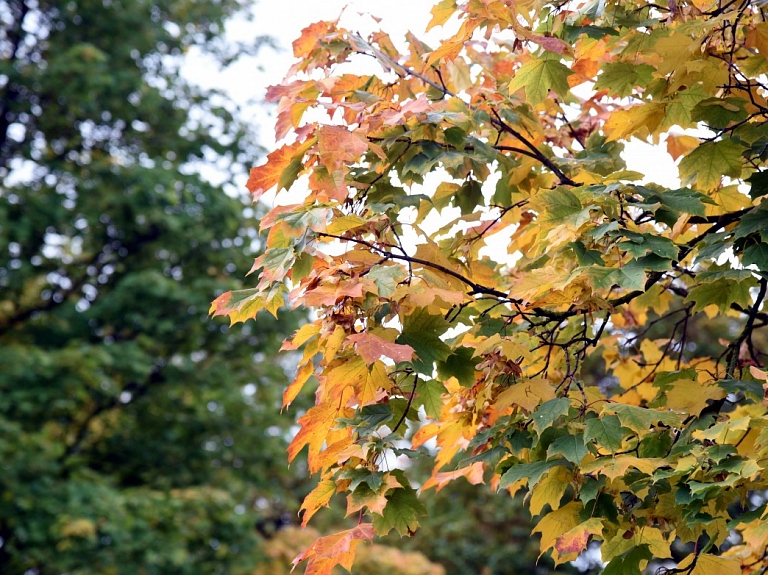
{"points": [[548, 333]]}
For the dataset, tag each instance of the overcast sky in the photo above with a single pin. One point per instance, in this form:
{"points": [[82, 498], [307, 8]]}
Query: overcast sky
{"points": [[283, 20]]}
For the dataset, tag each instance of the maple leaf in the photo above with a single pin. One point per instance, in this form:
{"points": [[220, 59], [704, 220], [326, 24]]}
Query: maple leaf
{"points": [[266, 177], [473, 473], [317, 498], [401, 512], [573, 542], [372, 347], [538, 77], [540, 311], [421, 332], [709, 162], [441, 12], [338, 549]]}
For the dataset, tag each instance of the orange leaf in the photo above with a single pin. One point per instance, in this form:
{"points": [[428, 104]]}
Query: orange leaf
{"points": [[452, 47], [473, 474], [304, 373], [264, 178], [330, 294], [338, 145], [304, 44], [680, 145], [339, 549], [316, 499], [315, 426], [372, 347]]}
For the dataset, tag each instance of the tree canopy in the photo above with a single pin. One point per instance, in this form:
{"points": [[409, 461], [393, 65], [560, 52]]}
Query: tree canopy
{"points": [[496, 290], [128, 420]]}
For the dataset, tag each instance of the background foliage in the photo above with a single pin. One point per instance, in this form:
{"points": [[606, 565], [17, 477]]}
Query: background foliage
{"points": [[135, 433]]}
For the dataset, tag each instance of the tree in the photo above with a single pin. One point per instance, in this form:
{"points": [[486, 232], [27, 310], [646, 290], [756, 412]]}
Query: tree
{"points": [[134, 437], [573, 361]]}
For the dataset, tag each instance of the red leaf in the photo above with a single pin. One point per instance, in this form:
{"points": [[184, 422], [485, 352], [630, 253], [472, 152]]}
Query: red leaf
{"points": [[372, 347]]}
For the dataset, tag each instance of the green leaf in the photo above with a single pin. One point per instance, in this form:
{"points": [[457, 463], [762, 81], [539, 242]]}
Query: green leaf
{"points": [[622, 77], [531, 471], [709, 162], [422, 332], [756, 254], [631, 277], [401, 513], [455, 136], [538, 77], [687, 201], [548, 412], [629, 563], [459, 364], [469, 196], [751, 388], [373, 479], [719, 112], [722, 293], [640, 419], [569, 446], [430, 396], [560, 202], [302, 266], [586, 257], [754, 221], [759, 184], [655, 444], [606, 431], [386, 278], [639, 244], [374, 415]]}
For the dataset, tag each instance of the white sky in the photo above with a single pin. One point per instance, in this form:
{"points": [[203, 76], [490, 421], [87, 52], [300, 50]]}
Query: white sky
{"points": [[283, 20]]}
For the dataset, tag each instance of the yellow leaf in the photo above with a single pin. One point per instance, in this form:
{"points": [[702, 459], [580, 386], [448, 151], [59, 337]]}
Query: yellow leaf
{"points": [[629, 122], [651, 351], [304, 373], [338, 549], [757, 37], [688, 396], [441, 12], [728, 199], [617, 466], [528, 395], [316, 499], [555, 524], [711, 565], [302, 335], [674, 51], [453, 46], [550, 489], [570, 544], [333, 343], [650, 536], [472, 473]]}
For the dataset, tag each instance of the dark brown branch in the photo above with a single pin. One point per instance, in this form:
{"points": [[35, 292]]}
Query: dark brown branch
{"points": [[495, 119], [735, 347], [476, 288], [408, 405]]}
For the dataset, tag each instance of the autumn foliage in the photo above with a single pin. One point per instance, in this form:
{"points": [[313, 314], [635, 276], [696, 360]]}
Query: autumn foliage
{"points": [[496, 290]]}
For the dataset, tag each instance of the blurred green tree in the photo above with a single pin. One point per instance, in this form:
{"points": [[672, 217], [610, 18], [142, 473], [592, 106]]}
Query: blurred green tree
{"points": [[134, 433]]}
